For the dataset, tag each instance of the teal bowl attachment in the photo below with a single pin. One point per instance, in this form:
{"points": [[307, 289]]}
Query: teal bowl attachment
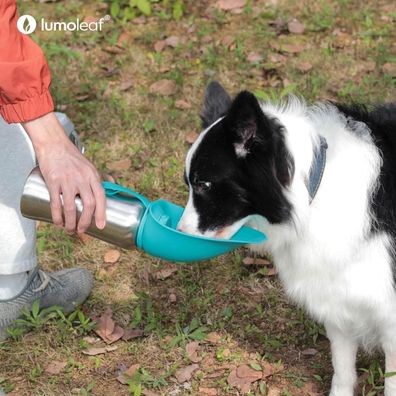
{"points": [[157, 234]]}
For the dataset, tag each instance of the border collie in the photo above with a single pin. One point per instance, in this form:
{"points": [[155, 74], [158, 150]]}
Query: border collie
{"points": [[320, 182]]}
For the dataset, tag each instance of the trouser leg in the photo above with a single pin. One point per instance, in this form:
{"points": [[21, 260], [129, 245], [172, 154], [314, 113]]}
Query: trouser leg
{"points": [[17, 234]]}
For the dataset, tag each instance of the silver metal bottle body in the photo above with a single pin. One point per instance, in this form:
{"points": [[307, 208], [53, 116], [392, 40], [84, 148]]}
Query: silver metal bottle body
{"points": [[122, 217]]}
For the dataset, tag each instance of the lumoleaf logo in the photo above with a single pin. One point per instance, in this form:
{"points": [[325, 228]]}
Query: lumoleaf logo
{"points": [[26, 24]]}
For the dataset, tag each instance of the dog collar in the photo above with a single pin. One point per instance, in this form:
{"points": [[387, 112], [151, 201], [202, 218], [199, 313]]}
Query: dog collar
{"points": [[317, 169]]}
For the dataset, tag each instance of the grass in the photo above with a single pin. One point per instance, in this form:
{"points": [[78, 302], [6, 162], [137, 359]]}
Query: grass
{"points": [[346, 45]]}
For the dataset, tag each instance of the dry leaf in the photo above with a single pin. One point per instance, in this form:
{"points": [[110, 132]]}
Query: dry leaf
{"points": [[113, 50], [389, 68], [115, 335], [272, 271], [255, 261], [228, 5], [172, 41], [82, 98], [159, 45], [129, 334], [274, 392], [120, 165], [254, 57], [123, 39], [184, 374], [304, 67], [213, 338], [172, 298], [182, 105], [207, 391], [243, 376], [84, 238], [163, 87], [268, 369], [295, 26], [99, 351], [309, 352], [227, 41], [293, 48], [191, 137], [148, 392], [166, 272], [191, 350], [105, 324], [112, 256], [246, 371], [55, 367], [127, 374], [125, 85], [90, 340]]}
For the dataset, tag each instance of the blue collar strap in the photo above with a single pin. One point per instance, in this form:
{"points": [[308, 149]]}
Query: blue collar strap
{"points": [[317, 169]]}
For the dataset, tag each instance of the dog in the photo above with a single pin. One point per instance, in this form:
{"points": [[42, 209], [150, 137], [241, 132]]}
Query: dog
{"points": [[320, 182]]}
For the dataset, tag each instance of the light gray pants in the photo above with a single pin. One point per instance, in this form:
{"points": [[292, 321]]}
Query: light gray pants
{"points": [[17, 234]]}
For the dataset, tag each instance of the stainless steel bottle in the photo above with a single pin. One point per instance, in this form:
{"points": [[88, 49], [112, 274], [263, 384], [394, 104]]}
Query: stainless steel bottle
{"points": [[122, 216]]}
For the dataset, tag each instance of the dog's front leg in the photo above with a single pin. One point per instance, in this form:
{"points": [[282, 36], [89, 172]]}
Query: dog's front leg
{"points": [[343, 351], [390, 367]]}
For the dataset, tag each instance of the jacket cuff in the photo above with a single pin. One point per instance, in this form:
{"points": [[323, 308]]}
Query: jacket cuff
{"points": [[29, 109]]}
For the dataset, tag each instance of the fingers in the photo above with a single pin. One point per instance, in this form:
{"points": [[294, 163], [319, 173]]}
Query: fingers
{"points": [[69, 208], [56, 205], [88, 201], [100, 203]]}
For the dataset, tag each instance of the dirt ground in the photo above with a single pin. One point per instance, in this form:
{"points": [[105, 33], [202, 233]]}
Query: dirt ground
{"points": [[134, 92]]}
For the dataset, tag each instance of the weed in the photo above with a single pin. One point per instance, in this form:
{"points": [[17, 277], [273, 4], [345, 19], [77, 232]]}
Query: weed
{"points": [[193, 332]]}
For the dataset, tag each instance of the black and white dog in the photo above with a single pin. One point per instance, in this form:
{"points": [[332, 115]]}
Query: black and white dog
{"points": [[320, 182]]}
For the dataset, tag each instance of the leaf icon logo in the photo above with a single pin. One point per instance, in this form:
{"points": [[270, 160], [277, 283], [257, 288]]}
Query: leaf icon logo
{"points": [[26, 24]]}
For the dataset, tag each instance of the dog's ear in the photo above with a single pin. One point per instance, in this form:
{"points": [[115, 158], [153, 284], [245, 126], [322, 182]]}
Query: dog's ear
{"points": [[246, 121], [216, 103]]}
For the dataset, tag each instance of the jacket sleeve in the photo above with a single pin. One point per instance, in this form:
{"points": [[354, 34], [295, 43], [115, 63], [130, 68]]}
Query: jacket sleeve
{"points": [[24, 73]]}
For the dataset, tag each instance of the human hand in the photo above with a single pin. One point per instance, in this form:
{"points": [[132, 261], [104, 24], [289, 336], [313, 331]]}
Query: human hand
{"points": [[66, 171]]}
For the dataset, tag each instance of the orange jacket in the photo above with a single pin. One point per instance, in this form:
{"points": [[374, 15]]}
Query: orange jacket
{"points": [[24, 73]]}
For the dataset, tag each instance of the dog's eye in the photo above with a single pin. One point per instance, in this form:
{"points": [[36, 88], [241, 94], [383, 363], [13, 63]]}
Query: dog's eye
{"points": [[202, 185]]}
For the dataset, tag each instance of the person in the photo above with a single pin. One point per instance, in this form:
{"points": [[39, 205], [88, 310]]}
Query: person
{"points": [[30, 131]]}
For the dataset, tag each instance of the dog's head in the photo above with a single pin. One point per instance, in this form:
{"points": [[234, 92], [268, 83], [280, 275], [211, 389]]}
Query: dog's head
{"points": [[238, 167]]}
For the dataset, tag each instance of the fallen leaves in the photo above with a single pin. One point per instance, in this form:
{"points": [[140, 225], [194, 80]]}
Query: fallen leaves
{"points": [[293, 48], [296, 27], [112, 256], [304, 67], [99, 351], [254, 57], [228, 5], [182, 105], [242, 377], [163, 87], [166, 272], [107, 329], [171, 41], [191, 351], [389, 68], [191, 137], [55, 367], [309, 352], [130, 334], [125, 376], [207, 391], [213, 337], [184, 374], [120, 165], [125, 85]]}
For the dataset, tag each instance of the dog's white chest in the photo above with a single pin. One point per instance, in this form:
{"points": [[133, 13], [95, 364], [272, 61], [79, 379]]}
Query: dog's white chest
{"points": [[354, 294]]}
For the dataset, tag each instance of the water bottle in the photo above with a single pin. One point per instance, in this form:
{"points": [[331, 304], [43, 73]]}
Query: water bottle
{"points": [[122, 216]]}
